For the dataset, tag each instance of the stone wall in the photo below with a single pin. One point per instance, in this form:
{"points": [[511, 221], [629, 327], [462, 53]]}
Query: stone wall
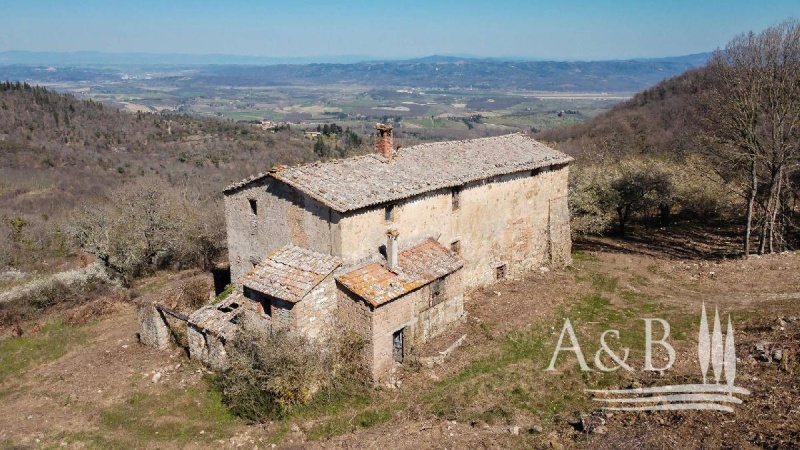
{"points": [[560, 235], [436, 319], [281, 314], [153, 328], [206, 348], [419, 320], [315, 315], [503, 221], [283, 216], [354, 315]]}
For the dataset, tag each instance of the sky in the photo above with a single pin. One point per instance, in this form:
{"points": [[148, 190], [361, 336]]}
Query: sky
{"points": [[554, 29]]}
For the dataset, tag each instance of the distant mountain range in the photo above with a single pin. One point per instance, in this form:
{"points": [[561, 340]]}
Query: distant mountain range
{"points": [[146, 59], [140, 58], [440, 72]]}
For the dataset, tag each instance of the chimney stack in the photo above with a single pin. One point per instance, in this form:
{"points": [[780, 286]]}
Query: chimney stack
{"points": [[391, 250], [384, 145]]}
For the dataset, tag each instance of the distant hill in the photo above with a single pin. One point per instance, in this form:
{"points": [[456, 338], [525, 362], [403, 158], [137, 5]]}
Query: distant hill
{"points": [[101, 58], [438, 72], [662, 119], [434, 72]]}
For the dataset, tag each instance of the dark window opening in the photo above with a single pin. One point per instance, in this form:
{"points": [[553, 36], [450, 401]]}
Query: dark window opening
{"points": [[437, 288], [500, 272], [389, 213], [455, 247], [397, 345], [456, 199], [262, 300], [253, 206], [437, 292]]}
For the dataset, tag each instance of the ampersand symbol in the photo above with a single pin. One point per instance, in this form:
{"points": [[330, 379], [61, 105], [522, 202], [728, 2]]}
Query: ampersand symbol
{"points": [[604, 348]]}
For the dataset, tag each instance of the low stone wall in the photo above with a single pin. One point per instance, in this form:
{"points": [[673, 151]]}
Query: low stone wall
{"points": [[207, 348]]}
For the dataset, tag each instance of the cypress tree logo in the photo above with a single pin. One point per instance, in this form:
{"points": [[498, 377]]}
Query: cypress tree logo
{"points": [[716, 354]]}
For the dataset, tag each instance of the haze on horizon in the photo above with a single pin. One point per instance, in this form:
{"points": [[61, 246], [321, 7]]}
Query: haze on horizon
{"points": [[587, 30]]}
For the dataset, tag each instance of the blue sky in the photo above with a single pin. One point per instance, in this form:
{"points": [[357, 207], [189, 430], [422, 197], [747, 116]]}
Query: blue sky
{"points": [[599, 29]]}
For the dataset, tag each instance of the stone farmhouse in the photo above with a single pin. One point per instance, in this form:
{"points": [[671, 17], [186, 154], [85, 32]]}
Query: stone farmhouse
{"points": [[385, 244]]}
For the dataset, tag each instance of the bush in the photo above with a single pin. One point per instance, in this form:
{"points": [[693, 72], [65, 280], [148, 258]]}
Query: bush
{"points": [[270, 374], [603, 194], [151, 225]]}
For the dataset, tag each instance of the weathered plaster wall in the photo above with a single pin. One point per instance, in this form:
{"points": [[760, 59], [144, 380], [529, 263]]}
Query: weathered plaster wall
{"points": [[560, 235], [284, 216], [505, 220]]}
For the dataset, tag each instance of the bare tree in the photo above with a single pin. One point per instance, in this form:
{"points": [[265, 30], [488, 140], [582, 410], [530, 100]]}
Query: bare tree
{"points": [[754, 119], [150, 225]]}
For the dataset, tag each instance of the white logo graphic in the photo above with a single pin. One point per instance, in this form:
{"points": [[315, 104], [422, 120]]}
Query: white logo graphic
{"points": [[716, 351]]}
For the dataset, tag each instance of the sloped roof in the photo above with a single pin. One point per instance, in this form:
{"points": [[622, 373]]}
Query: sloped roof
{"points": [[362, 181], [417, 266], [290, 272]]}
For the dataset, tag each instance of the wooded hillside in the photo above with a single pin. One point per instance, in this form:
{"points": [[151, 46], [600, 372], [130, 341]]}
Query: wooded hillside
{"points": [[722, 141], [61, 154]]}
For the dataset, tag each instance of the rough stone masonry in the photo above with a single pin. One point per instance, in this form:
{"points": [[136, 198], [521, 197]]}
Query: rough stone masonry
{"points": [[386, 244]]}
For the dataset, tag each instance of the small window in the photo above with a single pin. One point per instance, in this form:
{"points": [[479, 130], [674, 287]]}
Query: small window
{"points": [[456, 199], [500, 272], [455, 247], [436, 288], [253, 206], [397, 345], [389, 213], [437, 292]]}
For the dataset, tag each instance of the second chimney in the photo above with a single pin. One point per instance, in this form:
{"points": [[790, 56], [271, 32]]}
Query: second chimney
{"points": [[391, 250], [384, 145]]}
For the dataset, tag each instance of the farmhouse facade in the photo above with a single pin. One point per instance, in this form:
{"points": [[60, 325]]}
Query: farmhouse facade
{"points": [[387, 244]]}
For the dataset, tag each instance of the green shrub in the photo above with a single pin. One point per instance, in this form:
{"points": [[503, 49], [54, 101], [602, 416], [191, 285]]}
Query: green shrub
{"points": [[607, 193], [271, 374]]}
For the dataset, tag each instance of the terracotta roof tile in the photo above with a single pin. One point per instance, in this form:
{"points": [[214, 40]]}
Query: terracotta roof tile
{"points": [[290, 272], [361, 181], [418, 266]]}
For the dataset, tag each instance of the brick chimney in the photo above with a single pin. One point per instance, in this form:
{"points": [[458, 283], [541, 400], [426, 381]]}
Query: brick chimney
{"points": [[384, 145], [391, 250]]}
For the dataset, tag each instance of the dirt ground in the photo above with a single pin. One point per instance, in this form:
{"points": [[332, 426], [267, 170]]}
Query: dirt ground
{"points": [[103, 389]]}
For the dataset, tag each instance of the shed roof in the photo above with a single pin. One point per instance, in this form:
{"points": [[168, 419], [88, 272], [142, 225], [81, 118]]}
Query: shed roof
{"points": [[290, 272], [417, 266], [358, 182]]}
